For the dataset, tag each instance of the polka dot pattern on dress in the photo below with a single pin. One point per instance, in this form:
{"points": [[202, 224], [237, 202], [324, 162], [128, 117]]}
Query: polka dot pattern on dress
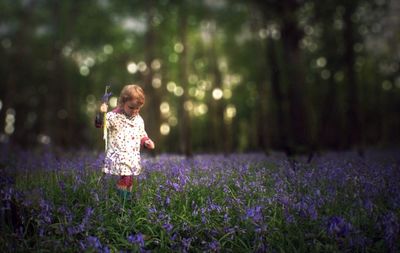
{"points": [[123, 152]]}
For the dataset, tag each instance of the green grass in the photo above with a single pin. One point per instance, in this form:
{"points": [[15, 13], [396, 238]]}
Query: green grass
{"points": [[61, 210]]}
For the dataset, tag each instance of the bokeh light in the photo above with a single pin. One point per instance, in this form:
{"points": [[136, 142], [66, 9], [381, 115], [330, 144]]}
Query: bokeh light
{"points": [[164, 108], [165, 129], [9, 121], [178, 91], [108, 49], [142, 66], [321, 62], [156, 64], [132, 67], [178, 47], [84, 70], [217, 93], [113, 102], [171, 86]]}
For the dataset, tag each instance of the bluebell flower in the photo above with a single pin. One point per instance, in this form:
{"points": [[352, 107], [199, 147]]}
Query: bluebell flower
{"points": [[255, 213], [312, 212], [61, 185], [203, 219], [167, 201], [389, 223], [368, 206], [66, 212], [338, 226], [45, 215], [106, 97], [289, 218], [214, 246], [152, 210], [168, 226], [136, 239], [93, 241], [226, 218], [186, 243]]}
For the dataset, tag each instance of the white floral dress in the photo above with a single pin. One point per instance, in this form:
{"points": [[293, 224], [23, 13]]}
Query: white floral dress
{"points": [[124, 139]]}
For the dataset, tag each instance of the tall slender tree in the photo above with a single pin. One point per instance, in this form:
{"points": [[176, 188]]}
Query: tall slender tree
{"points": [[185, 121]]}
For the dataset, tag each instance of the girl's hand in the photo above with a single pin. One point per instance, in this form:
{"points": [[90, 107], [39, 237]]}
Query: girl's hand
{"points": [[103, 108], [149, 144]]}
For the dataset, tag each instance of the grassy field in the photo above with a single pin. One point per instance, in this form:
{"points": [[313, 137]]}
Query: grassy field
{"points": [[55, 201]]}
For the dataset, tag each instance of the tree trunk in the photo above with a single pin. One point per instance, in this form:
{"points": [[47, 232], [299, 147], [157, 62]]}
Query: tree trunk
{"points": [[277, 94], [217, 114], [184, 123], [299, 121], [152, 114], [352, 103], [16, 96]]}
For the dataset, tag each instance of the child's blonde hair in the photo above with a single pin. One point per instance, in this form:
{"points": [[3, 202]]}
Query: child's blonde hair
{"points": [[131, 92]]}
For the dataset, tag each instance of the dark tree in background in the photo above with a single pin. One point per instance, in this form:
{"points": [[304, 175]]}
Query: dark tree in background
{"points": [[296, 134], [220, 76], [185, 124]]}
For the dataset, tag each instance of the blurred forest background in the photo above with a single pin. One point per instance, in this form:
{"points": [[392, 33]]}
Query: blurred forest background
{"points": [[219, 75]]}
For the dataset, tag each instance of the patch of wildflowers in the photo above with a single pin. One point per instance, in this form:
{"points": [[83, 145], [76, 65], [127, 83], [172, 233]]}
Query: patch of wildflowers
{"points": [[255, 214], [338, 226], [137, 239], [218, 202], [168, 227], [389, 224]]}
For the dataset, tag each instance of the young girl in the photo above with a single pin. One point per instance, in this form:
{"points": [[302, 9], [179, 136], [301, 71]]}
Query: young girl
{"points": [[126, 134]]}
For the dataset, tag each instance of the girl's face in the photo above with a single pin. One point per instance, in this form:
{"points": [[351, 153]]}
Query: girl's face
{"points": [[131, 109]]}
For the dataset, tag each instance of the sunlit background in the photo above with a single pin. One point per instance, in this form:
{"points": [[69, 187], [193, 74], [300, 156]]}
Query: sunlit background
{"points": [[219, 75]]}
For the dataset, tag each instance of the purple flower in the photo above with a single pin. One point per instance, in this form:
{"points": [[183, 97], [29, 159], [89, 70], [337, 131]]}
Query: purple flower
{"points": [[85, 221], [106, 96], [312, 212], [167, 201], [88, 212], [66, 212], [389, 223], [176, 186], [288, 216], [45, 215], [168, 226], [368, 206], [214, 246], [136, 239], [186, 243], [72, 230], [93, 241], [338, 226], [261, 229], [284, 200], [226, 218], [306, 208], [62, 185], [255, 213], [203, 219]]}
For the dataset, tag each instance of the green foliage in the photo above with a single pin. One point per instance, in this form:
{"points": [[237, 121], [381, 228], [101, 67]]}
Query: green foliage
{"points": [[210, 203], [57, 55]]}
